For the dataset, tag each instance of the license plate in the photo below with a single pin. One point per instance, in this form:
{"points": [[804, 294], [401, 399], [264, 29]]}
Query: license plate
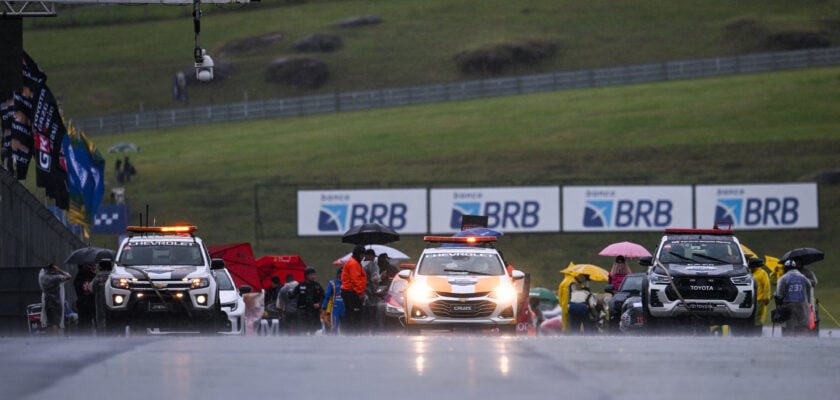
{"points": [[700, 307], [158, 307], [462, 308]]}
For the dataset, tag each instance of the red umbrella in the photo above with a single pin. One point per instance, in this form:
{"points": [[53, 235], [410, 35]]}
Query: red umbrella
{"points": [[626, 249]]}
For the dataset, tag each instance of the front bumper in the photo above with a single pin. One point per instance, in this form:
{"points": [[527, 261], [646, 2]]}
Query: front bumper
{"points": [[450, 311], [664, 304]]}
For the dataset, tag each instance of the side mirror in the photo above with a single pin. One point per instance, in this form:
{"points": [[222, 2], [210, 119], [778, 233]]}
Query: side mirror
{"points": [[609, 289], [405, 274], [755, 262], [407, 266], [244, 289], [106, 264], [646, 261], [517, 275], [217, 263]]}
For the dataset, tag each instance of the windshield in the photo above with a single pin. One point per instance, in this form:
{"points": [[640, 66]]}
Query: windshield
{"points": [[223, 280], [700, 252], [460, 263], [161, 252]]}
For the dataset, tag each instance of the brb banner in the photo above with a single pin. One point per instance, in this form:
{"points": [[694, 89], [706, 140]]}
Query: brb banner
{"points": [[333, 212], [626, 208], [780, 206], [511, 209]]}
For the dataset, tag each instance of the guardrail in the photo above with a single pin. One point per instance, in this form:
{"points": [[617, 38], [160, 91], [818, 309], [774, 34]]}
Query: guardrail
{"points": [[382, 98]]}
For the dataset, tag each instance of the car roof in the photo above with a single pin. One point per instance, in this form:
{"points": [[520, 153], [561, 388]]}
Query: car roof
{"points": [[466, 249]]}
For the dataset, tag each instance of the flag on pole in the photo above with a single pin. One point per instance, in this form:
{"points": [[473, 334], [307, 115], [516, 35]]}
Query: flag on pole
{"points": [[85, 178]]}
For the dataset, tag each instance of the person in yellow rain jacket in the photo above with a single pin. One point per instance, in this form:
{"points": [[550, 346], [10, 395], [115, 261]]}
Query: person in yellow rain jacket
{"points": [[563, 295], [762, 295]]}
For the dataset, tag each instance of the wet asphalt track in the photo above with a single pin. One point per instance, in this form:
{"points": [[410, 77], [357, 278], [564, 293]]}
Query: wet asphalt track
{"points": [[425, 367]]}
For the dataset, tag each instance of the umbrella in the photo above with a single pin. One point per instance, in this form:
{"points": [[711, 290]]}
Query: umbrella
{"points": [[543, 294], [392, 253], [626, 249], [805, 255], [371, 233], [123, 147], [595, 272], [88, 255]]}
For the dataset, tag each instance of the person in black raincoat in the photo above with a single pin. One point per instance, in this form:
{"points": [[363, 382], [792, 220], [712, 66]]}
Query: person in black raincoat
{"points": [[85, 299], [310, 297]]}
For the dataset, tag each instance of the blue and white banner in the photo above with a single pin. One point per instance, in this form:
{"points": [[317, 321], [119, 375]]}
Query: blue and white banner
{"points": [[750, 206], [509, 209], [111, 219], [333, 212], [626, 208]]}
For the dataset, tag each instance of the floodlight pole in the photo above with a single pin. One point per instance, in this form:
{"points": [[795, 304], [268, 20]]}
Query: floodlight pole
{"points": [[197, 51]]}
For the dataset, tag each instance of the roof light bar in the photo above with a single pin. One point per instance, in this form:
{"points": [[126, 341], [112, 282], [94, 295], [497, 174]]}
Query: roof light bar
{"points": [[163, 229], [466, 239]]}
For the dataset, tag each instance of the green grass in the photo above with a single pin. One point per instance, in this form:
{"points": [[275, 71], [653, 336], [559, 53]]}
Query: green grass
{"points": [[777, 127], [104, 69]]}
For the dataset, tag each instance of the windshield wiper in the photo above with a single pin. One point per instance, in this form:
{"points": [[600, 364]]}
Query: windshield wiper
{"points": [[467, 271], [678, 255], [718, 260]]}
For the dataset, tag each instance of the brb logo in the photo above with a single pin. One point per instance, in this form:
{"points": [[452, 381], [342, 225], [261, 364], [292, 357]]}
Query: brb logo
{"points": [[341, 216], [642, 213], [500, 215], [754, 211]]}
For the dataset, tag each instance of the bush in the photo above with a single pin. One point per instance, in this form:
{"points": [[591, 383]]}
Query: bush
{"points": [[250, 43], [796, 40], [300, 72], [358, 21], [497, 58], [319, 42]]}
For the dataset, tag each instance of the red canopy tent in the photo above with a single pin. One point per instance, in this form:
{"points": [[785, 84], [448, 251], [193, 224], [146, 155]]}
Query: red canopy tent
{"points": [[280, 266], [239, 259]]}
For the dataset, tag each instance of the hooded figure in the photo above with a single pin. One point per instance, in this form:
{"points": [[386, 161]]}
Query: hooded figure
{"points": [[51, 280]]}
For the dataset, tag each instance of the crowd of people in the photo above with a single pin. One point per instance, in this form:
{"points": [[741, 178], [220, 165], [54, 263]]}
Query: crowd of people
{"points": [[349, 304], [351, 301]]}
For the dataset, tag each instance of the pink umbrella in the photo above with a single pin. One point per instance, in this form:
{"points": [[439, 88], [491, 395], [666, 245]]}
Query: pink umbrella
{"points": [[626, 249]]}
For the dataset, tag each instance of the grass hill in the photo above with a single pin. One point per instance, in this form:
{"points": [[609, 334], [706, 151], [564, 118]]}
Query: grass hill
{"points": [[777, 127], [112, 59]]}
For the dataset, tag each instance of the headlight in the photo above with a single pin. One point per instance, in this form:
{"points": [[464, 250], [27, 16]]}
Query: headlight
{"points": [[420, 292], [196, 283], [744, 280], [119, 283], [505, 293], [657, 279]]}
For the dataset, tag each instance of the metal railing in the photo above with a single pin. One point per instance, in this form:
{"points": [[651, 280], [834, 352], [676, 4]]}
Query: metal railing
{"points": [[464, 90]]}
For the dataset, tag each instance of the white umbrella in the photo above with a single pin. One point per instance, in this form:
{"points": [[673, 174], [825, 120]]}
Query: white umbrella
{"points": [[392, 253]]}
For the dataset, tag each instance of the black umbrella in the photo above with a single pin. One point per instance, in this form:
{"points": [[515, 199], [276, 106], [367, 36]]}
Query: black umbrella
{"points": [[88, 255], [372, 233], [805, 255]]}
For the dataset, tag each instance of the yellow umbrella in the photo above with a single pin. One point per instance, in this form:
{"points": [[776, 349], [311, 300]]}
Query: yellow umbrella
{"points": [[747, 252], [595, 272]]}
